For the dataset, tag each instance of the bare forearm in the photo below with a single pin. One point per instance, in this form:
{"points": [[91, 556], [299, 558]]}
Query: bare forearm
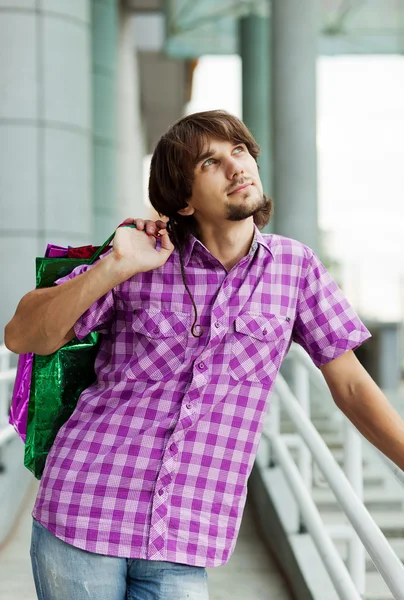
{"points": [[44, 318], [369, 410]]}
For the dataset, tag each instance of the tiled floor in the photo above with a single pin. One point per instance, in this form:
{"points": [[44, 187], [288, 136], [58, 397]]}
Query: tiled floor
{"points": [[249, 575], [16, 581]]}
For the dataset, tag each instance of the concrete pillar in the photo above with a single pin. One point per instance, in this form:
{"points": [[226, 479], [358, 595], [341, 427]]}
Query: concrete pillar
{"points": [[105, 122], [389, 356], [45, 136], [254, 47], [130, 131], [294, 52]]}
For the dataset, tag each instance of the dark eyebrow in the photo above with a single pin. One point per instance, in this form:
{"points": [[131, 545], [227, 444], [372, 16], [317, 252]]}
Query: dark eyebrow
{"points": [[208, 154]]}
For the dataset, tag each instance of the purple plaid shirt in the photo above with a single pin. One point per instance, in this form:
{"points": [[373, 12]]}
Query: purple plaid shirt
{"points": [[154, 461]]}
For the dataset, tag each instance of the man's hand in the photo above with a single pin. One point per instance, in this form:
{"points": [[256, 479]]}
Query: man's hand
{"points": [[134, 250], [45, 318], [150, 227]]}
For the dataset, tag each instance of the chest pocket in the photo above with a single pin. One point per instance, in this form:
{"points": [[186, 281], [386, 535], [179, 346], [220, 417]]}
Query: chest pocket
{"points": [[160, 343], [258, 346]]}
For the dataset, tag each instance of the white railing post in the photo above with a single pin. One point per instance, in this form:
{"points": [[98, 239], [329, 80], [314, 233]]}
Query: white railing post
{"points": [[353, 467], [333, 563], [380, 551], [301, 389]]}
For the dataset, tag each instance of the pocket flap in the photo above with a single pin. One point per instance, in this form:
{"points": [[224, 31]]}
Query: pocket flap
{"points": [[157, 323], [262, 327]]}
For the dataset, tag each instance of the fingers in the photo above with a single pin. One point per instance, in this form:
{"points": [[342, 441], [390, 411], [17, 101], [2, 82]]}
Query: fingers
{"points": [[161, 224], [150, 227]]}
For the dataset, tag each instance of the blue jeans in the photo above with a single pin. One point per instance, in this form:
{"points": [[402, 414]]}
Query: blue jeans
{"points": [[63, 572]]}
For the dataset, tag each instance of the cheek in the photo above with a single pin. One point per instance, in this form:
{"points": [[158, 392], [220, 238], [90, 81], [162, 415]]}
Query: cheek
{"points": [[254, 168], [204, 196], [256, 175]]}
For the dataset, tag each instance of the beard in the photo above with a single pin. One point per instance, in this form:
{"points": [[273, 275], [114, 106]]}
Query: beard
{"points": [[240, 212]]}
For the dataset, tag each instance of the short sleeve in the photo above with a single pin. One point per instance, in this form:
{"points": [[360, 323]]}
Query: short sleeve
{"points": [[99, 316], [326, 325]]}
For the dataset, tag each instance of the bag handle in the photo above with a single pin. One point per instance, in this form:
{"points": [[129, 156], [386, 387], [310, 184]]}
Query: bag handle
{"points": [[100, 250]]}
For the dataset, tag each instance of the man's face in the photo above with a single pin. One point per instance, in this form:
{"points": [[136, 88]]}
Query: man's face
{"points": [[226, 185]]}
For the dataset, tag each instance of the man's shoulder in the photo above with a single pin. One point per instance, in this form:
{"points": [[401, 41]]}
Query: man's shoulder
{"points": [[281, 246]]}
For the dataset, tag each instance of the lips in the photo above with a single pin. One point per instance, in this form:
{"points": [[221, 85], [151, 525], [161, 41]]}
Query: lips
{"points": [[240, 188]]}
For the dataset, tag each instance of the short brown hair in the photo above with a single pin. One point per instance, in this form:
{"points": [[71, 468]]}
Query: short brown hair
{"points": [[174, 159]]}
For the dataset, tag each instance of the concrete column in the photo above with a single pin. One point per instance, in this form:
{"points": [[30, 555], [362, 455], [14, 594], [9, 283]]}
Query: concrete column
{"points": [[389, 356], [294, 52], [105, 121], [254, 47], [45, 136], [130, 132]]}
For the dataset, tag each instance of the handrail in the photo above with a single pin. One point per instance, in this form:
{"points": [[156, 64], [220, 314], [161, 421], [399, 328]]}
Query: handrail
{"points": [[397, 472], [352, 446], [373, 539], [334, 564], [353, 455]]}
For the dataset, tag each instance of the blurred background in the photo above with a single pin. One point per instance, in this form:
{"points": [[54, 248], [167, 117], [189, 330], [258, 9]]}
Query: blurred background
{"points": [[87, 89]]}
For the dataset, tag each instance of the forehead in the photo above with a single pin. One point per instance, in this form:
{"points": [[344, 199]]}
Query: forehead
{"points": [[211, 144]]}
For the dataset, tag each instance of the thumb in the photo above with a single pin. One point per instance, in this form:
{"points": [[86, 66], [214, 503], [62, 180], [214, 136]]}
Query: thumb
{"points": [[166, 244]]}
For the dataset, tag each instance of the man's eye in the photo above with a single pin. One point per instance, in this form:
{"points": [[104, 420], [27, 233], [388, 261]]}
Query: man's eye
{"points": [[208, 162], [238, 148]]}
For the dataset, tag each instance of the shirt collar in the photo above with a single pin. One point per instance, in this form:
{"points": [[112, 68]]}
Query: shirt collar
{"points": [[258, 238], [263, 241]]}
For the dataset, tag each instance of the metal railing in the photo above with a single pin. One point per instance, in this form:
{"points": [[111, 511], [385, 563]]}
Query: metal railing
{"points": [[7, 376], [347, 487], [397, 472]]}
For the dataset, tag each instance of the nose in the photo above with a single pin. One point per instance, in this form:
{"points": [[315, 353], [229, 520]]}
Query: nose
{"points": [[233, 168]]}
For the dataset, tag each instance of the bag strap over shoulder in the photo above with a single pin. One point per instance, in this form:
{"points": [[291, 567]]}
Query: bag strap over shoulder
{"points": [[101, 249]]}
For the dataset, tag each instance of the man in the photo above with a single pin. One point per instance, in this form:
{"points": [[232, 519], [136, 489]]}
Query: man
{"points": [[146, 483]]}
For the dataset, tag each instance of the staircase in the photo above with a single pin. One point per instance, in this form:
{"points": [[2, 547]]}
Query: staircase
{"points": [[383, 495]]}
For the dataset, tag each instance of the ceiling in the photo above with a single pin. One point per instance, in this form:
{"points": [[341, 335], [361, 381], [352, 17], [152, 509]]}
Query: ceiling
{"points": [[198, 27], [167, 62]]}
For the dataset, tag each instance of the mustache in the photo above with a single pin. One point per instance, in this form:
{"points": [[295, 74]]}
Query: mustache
{"points": [[238, 184]]}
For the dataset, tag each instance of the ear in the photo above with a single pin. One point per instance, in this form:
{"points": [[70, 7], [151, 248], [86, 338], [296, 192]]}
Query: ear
{"points": [[187, 211]]}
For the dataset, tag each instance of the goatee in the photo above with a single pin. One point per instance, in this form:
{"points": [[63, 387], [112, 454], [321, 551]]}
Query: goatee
{"points": [[244, 211]]}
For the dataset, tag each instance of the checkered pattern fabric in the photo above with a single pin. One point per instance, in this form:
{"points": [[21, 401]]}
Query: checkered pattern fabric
{"points": [[154, 461]]}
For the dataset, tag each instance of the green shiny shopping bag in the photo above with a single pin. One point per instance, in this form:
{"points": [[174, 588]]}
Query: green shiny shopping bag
{"points": [[58, 379]]}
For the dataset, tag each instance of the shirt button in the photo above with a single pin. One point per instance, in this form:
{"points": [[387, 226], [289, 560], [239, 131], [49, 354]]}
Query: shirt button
{"points": [[217, 325], [188, 406], [161, 492], [201, 366], [156, 330], [173, 448], [265, 331]]}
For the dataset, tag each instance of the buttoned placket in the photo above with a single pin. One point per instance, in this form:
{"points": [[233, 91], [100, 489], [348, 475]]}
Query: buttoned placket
{"points": [[159, 513], [220, 321]]}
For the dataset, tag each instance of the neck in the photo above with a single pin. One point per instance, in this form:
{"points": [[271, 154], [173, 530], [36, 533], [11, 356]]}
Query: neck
{"points": [[229, 244]]}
